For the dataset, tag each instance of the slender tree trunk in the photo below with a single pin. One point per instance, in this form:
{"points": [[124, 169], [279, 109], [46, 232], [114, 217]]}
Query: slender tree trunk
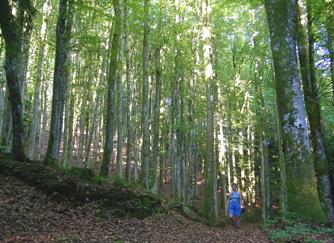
{"points": [[61, 76], [145, 152], [263, 149], [329, 5], [119, 122], [83, 119], [211, 177], [301, 180], [42, 133], [108, 145], [261, 130], [222, 149], [36, 119], [93, 126], [156, 117], [129, 102]]}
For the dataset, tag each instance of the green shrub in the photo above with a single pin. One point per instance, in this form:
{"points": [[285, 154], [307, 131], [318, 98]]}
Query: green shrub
{"points": [[291, 229], [119, 182], [100, 180]]}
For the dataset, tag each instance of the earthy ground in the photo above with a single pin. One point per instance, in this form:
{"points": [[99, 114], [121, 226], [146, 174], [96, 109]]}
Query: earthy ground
{"points": [[26, 215]]}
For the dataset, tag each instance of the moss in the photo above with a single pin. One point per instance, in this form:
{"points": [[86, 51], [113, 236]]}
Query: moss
{"points": [[74, 185], [303, 200], [208, 209], [83, 173]]}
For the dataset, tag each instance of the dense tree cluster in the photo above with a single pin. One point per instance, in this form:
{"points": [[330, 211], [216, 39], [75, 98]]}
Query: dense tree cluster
{"points": [[180, 97]]}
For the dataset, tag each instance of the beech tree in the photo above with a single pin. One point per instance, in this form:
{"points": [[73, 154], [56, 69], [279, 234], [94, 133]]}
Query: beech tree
{"points": [[180, 98], [301, 180], [61, 75], [13, 28]]}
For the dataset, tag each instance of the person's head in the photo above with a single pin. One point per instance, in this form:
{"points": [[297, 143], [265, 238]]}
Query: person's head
{"points": [[234, 187]]}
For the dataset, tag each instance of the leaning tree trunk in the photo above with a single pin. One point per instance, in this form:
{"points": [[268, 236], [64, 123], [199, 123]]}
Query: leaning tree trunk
{"points": [[61, 76], [301, 180], [10, 28], [312, 103], [108, 145]]}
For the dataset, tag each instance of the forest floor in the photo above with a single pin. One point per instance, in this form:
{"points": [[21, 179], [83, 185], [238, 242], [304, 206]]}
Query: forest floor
{"points": [[27, 215]]}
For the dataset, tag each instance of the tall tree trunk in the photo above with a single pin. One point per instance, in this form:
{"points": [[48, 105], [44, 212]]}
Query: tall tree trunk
{"points": [[36, 119], [83, 117], [108, 145], [12, 30], [119, 123], [305, 41], [156, 116], [222, 149], [93, 125], [42, 132], [329, 5], [263, 150], [261, 130], [211, 177], [61, 76], [145, 152], [301, 180], [129, 95]]}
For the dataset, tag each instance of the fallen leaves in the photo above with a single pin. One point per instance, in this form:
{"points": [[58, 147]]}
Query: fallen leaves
{"points": [[26, 215]]}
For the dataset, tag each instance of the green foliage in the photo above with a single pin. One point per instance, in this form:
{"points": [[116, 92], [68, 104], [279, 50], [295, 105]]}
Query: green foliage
{"points": [[102, 213], [119, 182], [292, 229], [100, 180], [83, 173]]}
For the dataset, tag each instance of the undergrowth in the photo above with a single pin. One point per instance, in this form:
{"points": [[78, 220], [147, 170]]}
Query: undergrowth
{"points": [[291, 229]]}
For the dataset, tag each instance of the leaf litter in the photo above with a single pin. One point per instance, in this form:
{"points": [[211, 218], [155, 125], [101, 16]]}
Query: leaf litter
{"points": [[27, 215]]}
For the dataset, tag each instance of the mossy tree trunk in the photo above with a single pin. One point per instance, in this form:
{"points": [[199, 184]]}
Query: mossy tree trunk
{"points": [[12, 31], [210, 203], [305, 41], [301, 180], [110, 104], [145, 150]]}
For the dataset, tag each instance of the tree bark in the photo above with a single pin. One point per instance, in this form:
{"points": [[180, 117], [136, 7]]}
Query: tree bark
{"points": [[305, 41], [36, 118], [61, 76], [210, 207], [329, 7], [12, 29], [145, 152], [108, 145], [156, 116], [301, 180], [129, 101]]}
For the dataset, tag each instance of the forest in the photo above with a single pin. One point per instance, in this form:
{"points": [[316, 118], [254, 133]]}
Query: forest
{"points": [[164, 104]]}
